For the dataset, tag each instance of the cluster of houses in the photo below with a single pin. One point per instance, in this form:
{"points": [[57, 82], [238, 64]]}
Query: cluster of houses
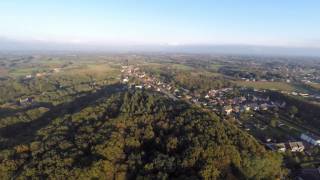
{"points": [[147, 81], [250, 101], [310, 78], [296, 146], [218, 100]]}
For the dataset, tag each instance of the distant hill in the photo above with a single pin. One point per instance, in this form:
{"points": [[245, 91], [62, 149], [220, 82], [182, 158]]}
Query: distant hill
{"points": [[18, 45]]}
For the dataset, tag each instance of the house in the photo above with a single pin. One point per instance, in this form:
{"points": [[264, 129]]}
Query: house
{"points": [[139, 86], [125, 80], [227, 109], [28, 76], [40, 74], [280, 147], [56, 70], [254, 106], [25, 101], [264, 106], [245, 108], [296, 146], [236, 109], [310, 138], [304, 94]]}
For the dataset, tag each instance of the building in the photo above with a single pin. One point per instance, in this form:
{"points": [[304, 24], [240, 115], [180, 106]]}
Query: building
{"points": [[296, 146], [310, 138], [56, 70], [125, 80], [245, 108], [40, 74], [280, 147], [25, 101], [28, 76], [264, 106], [227, 109], [139, 86]]}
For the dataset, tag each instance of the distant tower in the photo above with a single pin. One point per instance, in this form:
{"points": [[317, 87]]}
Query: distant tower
{"points": [[126, 62]]}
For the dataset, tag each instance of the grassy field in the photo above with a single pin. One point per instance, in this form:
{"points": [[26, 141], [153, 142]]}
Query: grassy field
{"points": [[180, 67], [96, 71], [25, 71], [267, 85], [315, 85], [215, 67]]}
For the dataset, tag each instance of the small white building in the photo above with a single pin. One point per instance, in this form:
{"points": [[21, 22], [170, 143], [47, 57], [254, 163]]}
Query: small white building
{"points": [[28, 76], [310, 138], [125, 80], [280, 147], [139, 86]]}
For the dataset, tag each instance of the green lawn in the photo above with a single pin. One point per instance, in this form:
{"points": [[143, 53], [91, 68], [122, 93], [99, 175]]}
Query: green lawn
{"points": [[215, 67], [24, 71], [281, 86], [315, 85]]}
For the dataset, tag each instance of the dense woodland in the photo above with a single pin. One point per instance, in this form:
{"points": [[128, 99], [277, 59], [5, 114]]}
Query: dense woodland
{"points": [[116, 133]]}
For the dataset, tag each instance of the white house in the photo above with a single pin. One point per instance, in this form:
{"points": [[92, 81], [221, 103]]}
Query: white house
{"points": [[310, 138], [139, 86], [125, 80], [28, 76]]}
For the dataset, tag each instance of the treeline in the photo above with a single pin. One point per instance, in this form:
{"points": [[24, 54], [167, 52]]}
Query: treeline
{"points": [[136, 135], [308, 113], [54, 89], [257, 74]]}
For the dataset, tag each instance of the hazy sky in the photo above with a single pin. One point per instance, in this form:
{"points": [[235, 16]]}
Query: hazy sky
{"points": [[251, 22]]}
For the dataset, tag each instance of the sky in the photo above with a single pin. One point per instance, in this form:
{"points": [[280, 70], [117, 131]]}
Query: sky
{"points": [[286, 23]]}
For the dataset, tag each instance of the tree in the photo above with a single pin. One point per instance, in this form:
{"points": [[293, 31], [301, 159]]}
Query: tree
{"points": [[274, 121], [293, 110]]}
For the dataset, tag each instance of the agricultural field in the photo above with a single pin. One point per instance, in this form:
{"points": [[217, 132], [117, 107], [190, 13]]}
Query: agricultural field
{"points": [[315, 85], [281, 86]]}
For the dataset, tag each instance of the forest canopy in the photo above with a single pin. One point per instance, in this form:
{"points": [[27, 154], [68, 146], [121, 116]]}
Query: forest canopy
{"points": [[132, 134]]}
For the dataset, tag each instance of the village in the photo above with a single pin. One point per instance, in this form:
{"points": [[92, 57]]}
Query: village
{"points": [[227, 105]]}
